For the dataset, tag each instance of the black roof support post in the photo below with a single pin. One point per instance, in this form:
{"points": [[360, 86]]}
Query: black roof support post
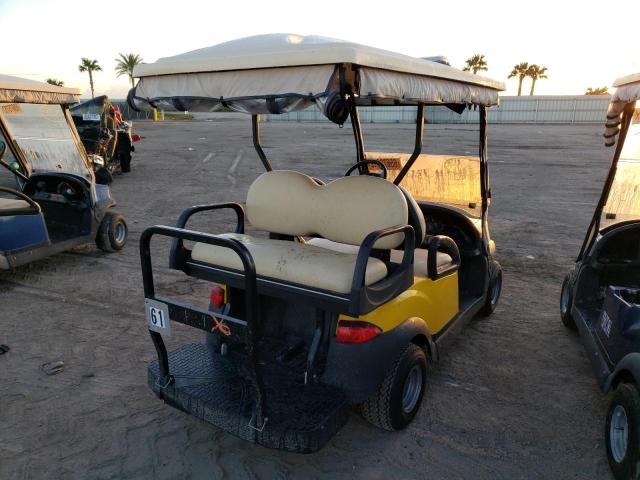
{"points": [[594, 226], [485, 185], [417, 147], [255, 130], [358, 136]]}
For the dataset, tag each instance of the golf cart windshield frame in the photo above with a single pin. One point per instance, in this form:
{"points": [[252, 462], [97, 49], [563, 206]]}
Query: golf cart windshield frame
{"points": [[594, 226], [83, 169]]}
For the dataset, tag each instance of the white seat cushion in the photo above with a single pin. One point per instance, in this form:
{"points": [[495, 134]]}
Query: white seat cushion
{"points": [[419, 258], [12, 204], [294, 262]]}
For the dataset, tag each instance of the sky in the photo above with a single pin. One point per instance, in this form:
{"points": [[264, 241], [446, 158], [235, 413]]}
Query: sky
{"points": [[583, 44]]}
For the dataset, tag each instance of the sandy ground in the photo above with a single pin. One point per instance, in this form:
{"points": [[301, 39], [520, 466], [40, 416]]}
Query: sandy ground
{"points": [[513, 397]]}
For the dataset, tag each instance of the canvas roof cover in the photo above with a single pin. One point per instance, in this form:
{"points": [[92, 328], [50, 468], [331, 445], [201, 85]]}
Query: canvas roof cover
{"points": [[278, 73], [628, 90], [22, 90]]}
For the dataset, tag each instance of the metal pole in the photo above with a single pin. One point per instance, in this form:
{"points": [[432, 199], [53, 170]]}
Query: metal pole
{"points": [[627, 116], [417, 146], [255, 130], [485, 187], [357, 132]]}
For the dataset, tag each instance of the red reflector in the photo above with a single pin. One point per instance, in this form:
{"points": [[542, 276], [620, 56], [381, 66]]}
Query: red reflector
{"points": [[217, 296], [135, 138], [356, 332]]}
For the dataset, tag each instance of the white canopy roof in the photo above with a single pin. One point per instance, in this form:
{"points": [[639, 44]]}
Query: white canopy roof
{"points": [[22, 90], [292, 71], [628, 90]]}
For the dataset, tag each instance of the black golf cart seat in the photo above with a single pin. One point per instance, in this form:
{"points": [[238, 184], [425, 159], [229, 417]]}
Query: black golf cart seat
{"points": [[368, 214]]}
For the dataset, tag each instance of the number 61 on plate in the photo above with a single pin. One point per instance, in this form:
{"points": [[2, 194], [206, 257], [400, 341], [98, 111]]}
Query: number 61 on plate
{"points": [[157, 316]]}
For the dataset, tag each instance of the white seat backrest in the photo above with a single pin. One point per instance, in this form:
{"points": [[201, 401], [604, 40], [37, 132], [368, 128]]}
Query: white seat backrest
{"points": [[345, 210]]}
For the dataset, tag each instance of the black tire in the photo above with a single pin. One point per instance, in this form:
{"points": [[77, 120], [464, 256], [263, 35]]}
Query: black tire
{"points": [[103, 176], [125, 161], [624, 456], [390, 408], [493, 291], [112, 233], [566, 304]]}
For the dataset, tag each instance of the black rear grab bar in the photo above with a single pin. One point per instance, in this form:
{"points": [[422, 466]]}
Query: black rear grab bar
{"points": [[251, 303]]}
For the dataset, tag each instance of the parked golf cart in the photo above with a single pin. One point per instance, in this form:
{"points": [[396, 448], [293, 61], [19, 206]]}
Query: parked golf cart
{"points": [[106, 137], [601, 295], [49, 200], [359, 282]]}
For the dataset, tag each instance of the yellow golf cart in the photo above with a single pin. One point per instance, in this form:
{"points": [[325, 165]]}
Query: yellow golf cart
{"points": [[355, 284]]}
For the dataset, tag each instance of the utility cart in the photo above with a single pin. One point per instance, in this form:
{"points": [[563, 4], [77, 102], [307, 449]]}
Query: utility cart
{"points": [[106, 137], [354, 285], [600, 296], [49, 199]]}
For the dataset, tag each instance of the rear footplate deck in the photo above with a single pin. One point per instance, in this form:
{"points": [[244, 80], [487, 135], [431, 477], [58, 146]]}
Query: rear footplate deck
{"points": [[300, 418]]}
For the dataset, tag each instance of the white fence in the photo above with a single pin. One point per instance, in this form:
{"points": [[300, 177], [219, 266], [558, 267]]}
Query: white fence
{"points": [[536, 109]]}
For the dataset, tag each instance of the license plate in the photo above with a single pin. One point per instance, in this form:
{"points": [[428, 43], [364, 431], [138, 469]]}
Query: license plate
{"points": [[157, 316]]}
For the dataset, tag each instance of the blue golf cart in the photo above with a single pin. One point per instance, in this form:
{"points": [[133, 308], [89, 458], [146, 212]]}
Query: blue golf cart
{"points": [[601, 295], [49, 199]]}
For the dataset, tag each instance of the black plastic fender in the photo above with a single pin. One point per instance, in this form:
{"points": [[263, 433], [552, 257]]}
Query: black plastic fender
{"points": [[359, 369], [630, 363]]}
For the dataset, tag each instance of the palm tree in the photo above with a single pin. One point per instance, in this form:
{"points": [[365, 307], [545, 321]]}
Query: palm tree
{"points": [[597, 91], [520, 71], [536, 72], [90, 66], [55, 81], [476, 63], [126, 63]]}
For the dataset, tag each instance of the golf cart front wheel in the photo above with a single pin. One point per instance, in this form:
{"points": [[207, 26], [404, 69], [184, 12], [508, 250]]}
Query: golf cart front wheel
{"points": [[112, 234], [566, 303], [622, 432], [493, 291], [397, 400]]}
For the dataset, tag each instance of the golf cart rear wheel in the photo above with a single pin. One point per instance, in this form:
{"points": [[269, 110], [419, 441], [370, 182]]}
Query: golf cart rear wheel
{"points": [[125, 160], [622, 432], [399, 397], [566, 303], [112, 234], [493, 291]]}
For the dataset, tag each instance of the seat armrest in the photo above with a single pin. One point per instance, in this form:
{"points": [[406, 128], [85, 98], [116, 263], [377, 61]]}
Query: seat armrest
{"points": [[367, 246], [178, 253], [445, 244]]}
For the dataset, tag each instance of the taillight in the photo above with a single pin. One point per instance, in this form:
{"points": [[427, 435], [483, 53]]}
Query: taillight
{"points": [[217, 296], [135, 137], [356, 332]]}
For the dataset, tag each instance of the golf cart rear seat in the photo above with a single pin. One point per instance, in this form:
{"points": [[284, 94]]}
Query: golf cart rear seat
{"points": [[367, 213]]}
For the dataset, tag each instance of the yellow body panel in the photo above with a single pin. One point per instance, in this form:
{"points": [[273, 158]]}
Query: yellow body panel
{"points": [[434, 301]]}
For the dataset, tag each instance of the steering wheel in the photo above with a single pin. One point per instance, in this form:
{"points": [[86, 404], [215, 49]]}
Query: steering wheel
{"points": [[68, 191], [369, 162]]}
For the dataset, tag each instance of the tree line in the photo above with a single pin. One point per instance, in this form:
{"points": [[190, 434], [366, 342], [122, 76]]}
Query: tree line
{"points": [[125, 63], [523, 70]]}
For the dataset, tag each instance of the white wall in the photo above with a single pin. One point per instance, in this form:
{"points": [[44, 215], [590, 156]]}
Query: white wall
{"points": [[525, 109]]}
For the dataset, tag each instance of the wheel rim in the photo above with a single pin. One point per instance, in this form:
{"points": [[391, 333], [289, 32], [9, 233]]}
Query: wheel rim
{"points": [[618, 433], [495, 291], [412, 389], [564, 299], [121, 233]]}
